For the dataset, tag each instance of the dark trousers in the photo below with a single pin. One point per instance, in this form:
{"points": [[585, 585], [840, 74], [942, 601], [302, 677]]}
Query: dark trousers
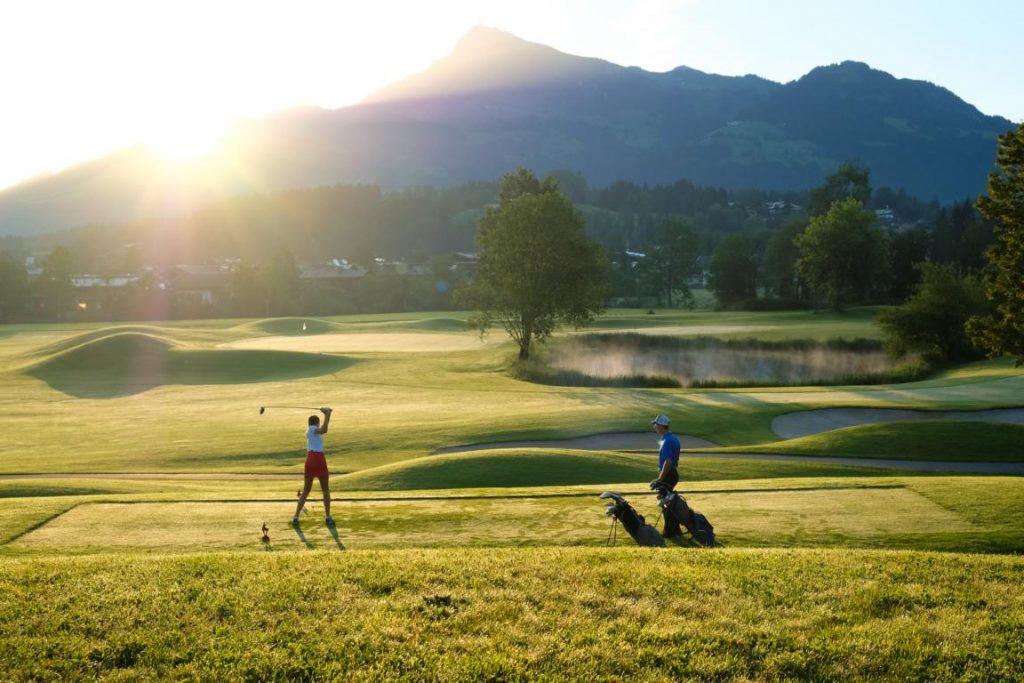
{"points": [[671, 479]]}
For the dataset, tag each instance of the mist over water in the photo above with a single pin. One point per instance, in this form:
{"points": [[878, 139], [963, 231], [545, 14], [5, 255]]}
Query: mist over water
{"points": [[712, 361]]}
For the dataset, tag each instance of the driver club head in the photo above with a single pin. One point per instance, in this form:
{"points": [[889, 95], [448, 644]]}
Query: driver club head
{"points": [[262, 408]]}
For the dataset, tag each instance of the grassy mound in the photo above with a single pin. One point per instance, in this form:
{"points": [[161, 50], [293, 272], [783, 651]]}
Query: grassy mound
{"points": [[916, 440], [438, 325], [130, 362], [515, 614], [288, 327], [503, 468], [166, 334], [550, 467]]}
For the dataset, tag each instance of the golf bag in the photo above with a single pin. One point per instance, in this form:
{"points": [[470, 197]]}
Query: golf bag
{"points": [[677, 512], [643, 533]]}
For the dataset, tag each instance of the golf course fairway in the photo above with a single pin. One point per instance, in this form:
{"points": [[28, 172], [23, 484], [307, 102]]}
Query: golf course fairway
{"points": [[137, 472]]}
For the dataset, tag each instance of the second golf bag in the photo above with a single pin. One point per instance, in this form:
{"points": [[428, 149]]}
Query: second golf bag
{"points": [[676, 511], [643, 533]]}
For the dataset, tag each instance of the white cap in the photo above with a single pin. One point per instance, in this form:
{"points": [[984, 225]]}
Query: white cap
{"points": [[660, 420]]}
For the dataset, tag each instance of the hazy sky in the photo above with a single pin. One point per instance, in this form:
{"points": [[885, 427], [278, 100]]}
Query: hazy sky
{"points": [[81, 78]]}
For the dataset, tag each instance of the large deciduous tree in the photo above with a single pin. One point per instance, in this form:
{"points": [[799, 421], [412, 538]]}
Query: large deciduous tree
{"points": [[849, 180], [844, 255], [1003, 331], [671, 259], [536, 266], [733, 271], [931, 322]]}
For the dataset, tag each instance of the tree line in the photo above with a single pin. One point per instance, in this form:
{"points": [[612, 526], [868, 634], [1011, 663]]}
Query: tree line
{"points": [[538, 267], [833, 252], [749, 251]]}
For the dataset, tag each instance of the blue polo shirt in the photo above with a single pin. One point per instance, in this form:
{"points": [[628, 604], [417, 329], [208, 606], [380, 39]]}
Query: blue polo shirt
{"points": [[669, 451]]}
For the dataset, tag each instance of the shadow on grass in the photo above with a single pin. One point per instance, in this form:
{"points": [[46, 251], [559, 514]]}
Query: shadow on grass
{"points": [[685, 540], [292, 456], [302, 536], [34, 491], [337, 539]]}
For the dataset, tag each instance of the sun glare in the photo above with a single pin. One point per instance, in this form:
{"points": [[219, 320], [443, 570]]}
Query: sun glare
{"points": [[185, 140]]}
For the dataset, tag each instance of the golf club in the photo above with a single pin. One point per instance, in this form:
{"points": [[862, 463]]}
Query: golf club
{"points": [[263, 408]]}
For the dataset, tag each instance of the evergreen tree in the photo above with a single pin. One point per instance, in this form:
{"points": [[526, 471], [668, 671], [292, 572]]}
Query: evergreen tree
{"points": [[1003, 332]]}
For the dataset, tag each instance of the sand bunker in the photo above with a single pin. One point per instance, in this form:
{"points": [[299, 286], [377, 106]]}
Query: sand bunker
{"points": [[620, 441], [397, 342], [807, 422]]}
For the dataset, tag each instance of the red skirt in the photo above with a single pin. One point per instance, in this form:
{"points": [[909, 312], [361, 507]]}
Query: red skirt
{"points": [[316, 464]]}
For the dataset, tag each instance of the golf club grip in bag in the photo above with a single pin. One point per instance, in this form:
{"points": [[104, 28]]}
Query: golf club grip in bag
{"points": [[676, 511], [643, 533]]}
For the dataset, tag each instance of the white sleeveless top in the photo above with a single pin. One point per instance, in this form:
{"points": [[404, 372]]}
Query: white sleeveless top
{"points": [[314, 441]]}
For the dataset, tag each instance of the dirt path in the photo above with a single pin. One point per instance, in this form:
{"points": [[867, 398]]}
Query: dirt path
{"points": [[807, 422]]}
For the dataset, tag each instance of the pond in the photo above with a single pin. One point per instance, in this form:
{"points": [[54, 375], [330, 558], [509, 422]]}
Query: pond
{"points": [[714, 362]]}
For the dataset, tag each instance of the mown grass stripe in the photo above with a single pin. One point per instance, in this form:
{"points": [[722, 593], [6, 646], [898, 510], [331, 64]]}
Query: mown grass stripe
{"points": [[515, 496], [40, 524]]}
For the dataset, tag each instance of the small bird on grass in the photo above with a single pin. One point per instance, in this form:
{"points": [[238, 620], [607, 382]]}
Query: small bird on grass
{"points": [[266, 533]]}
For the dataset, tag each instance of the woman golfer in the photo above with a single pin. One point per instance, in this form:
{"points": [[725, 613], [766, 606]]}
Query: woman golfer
{"points": [[316, 465]]}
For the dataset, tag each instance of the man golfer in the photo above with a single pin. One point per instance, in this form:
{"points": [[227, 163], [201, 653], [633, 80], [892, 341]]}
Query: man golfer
{"points": [[316, 465], [668, 456]]}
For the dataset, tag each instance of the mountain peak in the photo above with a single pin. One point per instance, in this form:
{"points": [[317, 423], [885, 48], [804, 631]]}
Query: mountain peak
{"points": [[852, 65], [847, 71], [482, 38], [488, 59]]}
